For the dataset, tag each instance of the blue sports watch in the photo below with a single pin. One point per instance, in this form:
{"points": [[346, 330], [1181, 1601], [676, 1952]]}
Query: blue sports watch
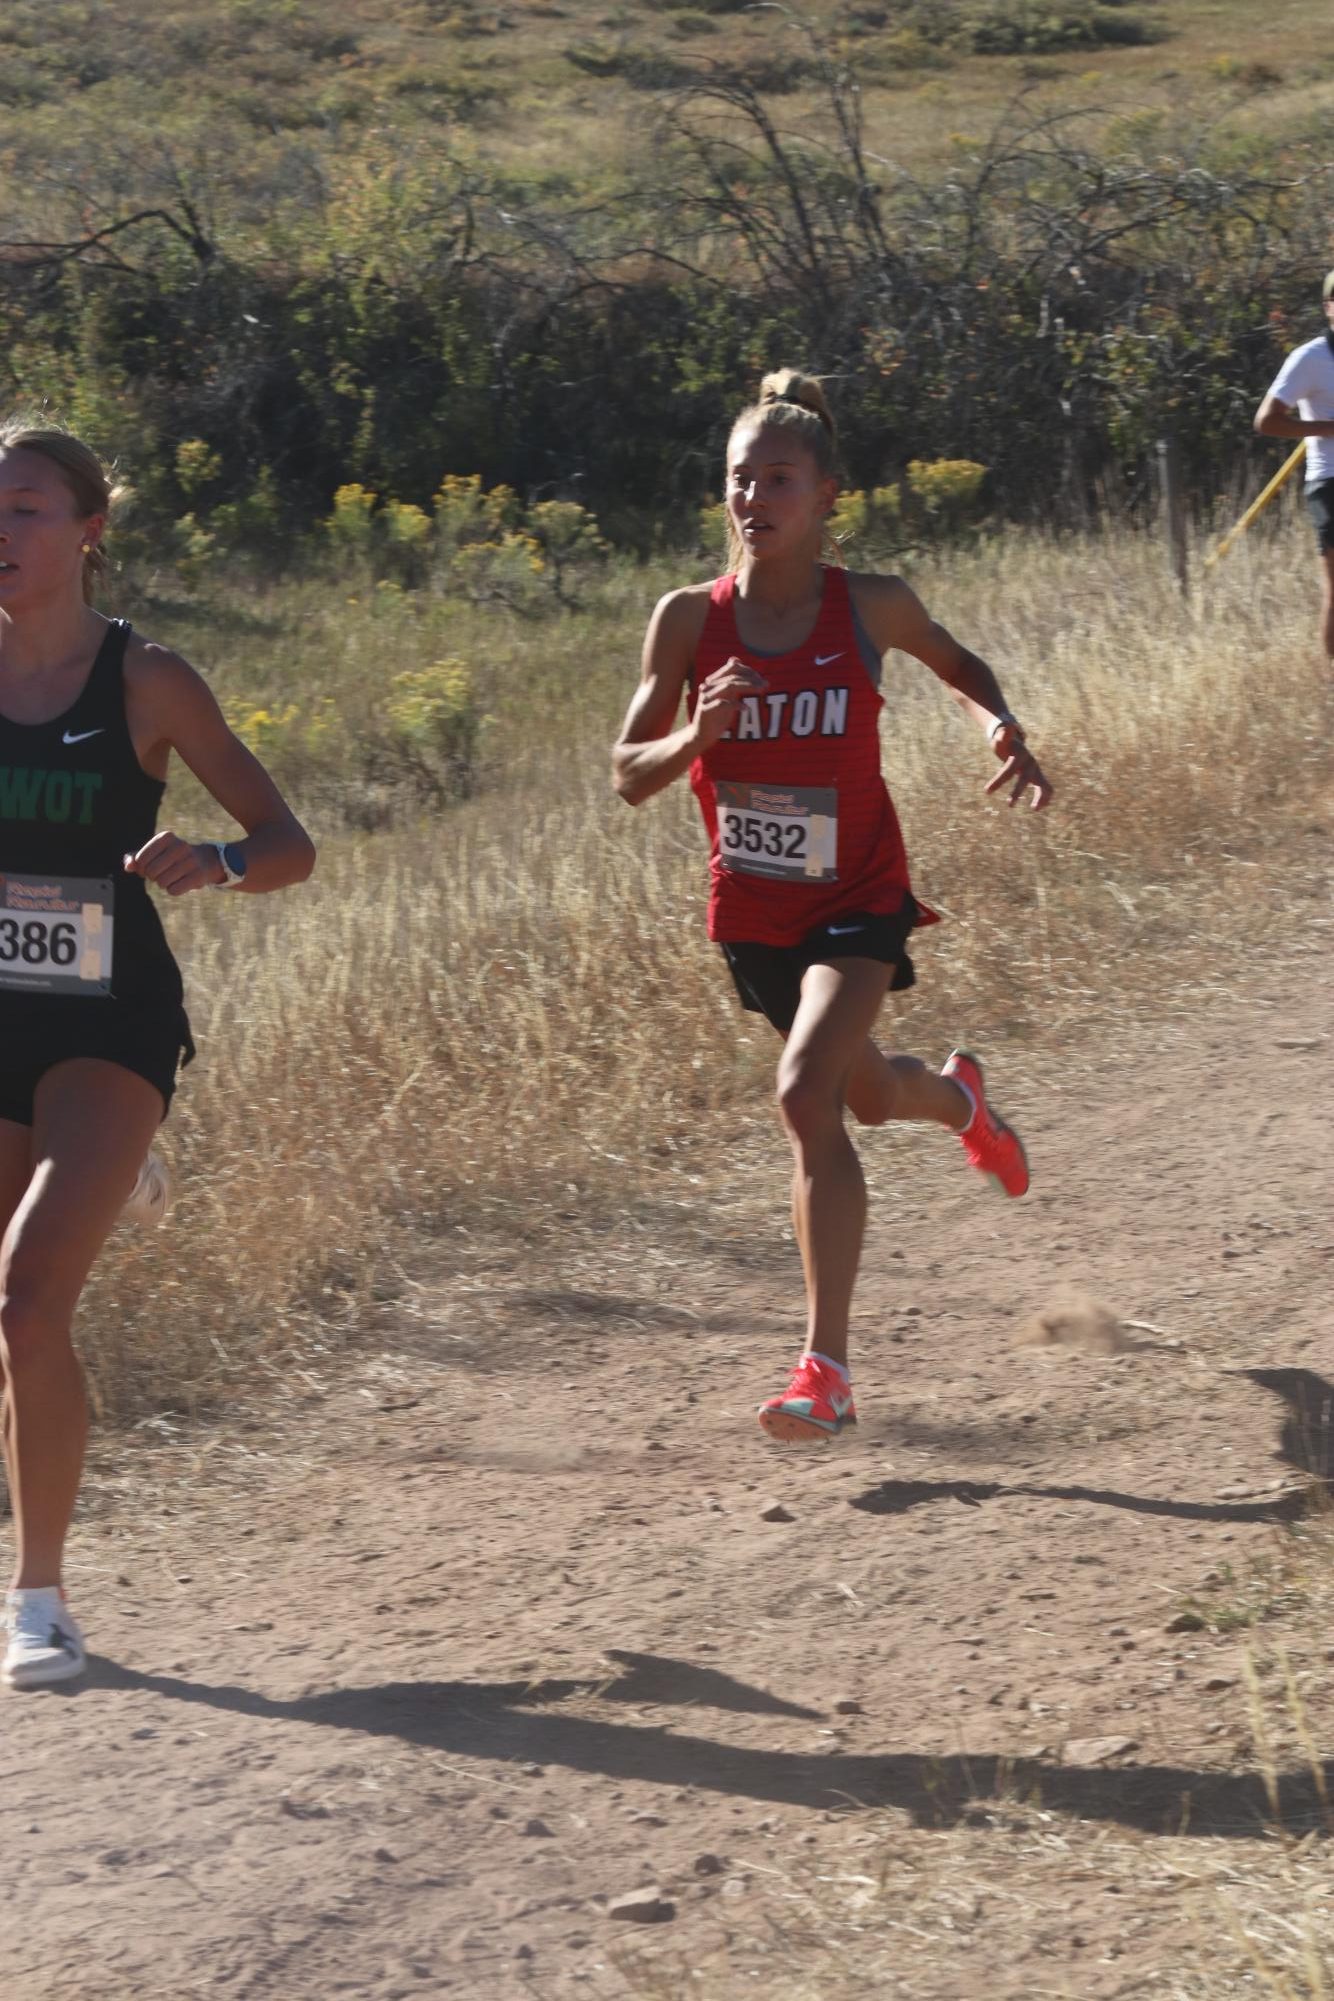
{"points": [[232, 857]]}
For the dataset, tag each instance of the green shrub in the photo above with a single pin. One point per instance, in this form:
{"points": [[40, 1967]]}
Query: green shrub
{"points": [[407, 540], [508, 571], [434, 721], [947, 490], [868, 526], [351, 526], [195, 547], [1038, 27], [198, 466], [466, 511], [568, 538]]}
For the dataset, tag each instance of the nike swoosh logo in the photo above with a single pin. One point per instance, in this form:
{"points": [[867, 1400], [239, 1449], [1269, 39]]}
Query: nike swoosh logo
{"points": [[823, 659], [82, 736], [843, 930]]}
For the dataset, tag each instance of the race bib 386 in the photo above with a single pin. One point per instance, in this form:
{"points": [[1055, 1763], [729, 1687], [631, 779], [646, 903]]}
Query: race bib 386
{"points": [[55, 934]]}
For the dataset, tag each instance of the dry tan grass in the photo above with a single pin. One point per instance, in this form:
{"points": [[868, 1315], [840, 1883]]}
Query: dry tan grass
{"points": [[917, 118], [511, 1011]]}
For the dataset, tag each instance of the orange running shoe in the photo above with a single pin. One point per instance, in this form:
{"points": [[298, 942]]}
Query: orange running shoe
{"points": [[993, 1147], [817, 1403]]}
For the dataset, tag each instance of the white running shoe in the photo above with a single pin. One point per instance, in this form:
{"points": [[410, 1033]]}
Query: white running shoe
{"points": [[45, 1644], [150, 1198]]}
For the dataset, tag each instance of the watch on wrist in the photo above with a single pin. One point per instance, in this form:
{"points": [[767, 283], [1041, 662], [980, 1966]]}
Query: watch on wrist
{"points": [[232, 857]]}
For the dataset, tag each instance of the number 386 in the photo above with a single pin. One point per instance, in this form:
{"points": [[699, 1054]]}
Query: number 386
{"points": [[35, 944]]}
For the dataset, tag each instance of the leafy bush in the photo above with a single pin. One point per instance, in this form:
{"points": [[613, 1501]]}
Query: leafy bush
{"points": [[568, 538], [466, 511], [1037, 27], [407, 540], [435, 719], [194, 548], [868, 526], [351, 526], [198, 466], [507, 572], [946, 489], [264, 730]]}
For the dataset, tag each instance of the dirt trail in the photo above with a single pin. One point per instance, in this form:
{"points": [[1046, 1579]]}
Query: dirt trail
{"points": [[393, 1693]]}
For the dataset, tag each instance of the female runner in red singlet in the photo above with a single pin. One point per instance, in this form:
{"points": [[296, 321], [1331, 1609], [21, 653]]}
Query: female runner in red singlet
{"points": [[779, 663]]}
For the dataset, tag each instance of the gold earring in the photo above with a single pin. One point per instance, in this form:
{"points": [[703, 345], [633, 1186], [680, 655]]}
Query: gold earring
{"points": [[87, 548]]}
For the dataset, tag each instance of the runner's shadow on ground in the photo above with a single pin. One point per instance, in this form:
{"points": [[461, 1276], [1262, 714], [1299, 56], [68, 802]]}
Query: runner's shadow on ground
{"points": [[515, 1723], [898, 1497], [1307, 1438], [1306, 1442]]}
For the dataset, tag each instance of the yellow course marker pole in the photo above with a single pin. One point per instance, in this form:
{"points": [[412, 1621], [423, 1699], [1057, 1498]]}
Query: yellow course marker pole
{"points": [[1258, 505]]}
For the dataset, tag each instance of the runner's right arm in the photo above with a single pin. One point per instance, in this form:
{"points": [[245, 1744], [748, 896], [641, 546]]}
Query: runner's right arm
{"points": [[1277, 419], [649, 754]]}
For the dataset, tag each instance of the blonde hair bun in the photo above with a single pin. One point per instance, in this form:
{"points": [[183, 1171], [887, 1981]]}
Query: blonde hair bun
{"points": [[789, 385]]}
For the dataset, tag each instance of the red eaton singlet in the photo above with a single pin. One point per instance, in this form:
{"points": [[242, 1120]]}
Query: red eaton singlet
{"points": [[801, 826]]}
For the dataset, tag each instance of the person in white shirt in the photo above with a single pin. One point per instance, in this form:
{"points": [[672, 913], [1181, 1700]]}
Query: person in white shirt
{"points": [[1300, 404]]}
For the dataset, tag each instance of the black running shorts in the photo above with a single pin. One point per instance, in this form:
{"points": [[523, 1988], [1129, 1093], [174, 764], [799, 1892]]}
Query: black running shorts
{"points": [[768, 977], [154, 1042], [1320, 501]]}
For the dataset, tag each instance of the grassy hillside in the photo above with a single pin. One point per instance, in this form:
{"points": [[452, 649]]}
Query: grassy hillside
{"points": [[560, 88], [261, 256]]}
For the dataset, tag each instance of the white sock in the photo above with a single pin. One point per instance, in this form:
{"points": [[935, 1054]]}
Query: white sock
{"points": [[840, 1368]]}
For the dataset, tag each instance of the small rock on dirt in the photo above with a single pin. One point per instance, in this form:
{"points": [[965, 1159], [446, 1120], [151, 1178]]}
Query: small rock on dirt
{"points": [[847, 1705], [642, 1907], [709, 1864], [774, 1511], [1097, 1750], [537, 1828]]}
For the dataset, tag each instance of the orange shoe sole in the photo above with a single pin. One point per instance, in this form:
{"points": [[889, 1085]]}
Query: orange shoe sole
{"points": [[792, 1430]]}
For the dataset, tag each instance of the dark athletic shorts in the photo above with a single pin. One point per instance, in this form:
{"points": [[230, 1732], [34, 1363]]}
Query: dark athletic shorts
{"points": [[1320, 500], [768, 977], [154, 1042]]}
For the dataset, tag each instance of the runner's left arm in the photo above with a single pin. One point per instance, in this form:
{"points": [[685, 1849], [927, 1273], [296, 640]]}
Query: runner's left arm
{"points": [[895, 616], [171, 707]]}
